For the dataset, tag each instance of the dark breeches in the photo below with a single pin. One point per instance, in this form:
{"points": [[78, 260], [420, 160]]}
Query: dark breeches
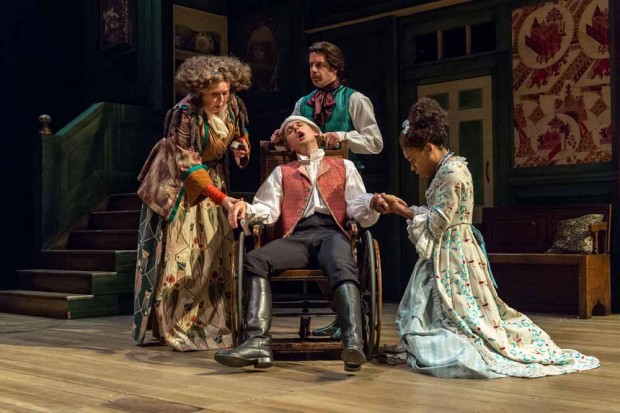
{"points": [[317, 242]]}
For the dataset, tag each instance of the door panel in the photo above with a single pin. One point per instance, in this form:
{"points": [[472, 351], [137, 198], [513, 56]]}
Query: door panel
{"points": [[470, 132]]}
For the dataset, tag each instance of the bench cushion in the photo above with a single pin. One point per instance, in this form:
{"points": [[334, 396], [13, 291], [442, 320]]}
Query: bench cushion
{"points": [[573, 235], [532, 229]]}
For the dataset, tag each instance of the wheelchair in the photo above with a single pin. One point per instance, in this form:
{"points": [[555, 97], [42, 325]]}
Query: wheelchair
{"points": [[366, 252]]}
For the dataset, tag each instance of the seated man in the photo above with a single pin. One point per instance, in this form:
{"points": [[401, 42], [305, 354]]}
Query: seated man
{"points": [[314, 197]]}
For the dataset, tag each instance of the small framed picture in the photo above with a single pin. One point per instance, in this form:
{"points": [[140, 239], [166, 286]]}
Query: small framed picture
{"points": [[116, 25]]}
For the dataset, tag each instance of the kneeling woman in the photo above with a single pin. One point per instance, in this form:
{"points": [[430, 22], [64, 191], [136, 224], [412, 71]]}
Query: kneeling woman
{"points": [[451, 320], [184, 250]]}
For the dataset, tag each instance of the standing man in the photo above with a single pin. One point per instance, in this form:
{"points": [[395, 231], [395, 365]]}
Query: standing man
{"points": [[342, 113]]}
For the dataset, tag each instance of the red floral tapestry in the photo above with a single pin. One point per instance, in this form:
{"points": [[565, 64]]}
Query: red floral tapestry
{"points": [[561, 83]]}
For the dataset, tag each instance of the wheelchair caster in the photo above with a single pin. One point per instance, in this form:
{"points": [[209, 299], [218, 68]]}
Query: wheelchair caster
{"points": [[304, 327]]}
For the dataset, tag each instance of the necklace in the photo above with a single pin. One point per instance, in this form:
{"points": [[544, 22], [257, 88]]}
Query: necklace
{"points": [[443, 159]]}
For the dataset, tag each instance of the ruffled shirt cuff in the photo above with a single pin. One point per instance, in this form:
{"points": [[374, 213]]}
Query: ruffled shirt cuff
{"points": [[253, 214], [359, 209], [419, 235]]}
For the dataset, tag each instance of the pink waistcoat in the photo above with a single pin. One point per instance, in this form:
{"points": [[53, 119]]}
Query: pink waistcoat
{"points": [[297, 189]]}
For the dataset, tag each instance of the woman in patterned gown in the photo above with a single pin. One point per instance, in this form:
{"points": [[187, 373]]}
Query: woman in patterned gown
{"points": [[184, 248], [450, 320]]}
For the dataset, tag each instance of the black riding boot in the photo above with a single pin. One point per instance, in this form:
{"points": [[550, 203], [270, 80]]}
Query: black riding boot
{"points": [[349, 309], [256, 349], [331, 330]]}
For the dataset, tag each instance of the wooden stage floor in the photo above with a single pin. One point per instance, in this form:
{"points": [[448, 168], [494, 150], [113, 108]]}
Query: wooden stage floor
{"points": [[92, 365]]}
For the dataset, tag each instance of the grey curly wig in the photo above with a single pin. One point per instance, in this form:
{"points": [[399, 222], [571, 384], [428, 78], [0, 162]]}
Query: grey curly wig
{"points": [[199, 72], [427, 124]]}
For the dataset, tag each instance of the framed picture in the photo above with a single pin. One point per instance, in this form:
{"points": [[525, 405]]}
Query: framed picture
{"points": [[265, 41], [116, 25], [197, 32]]}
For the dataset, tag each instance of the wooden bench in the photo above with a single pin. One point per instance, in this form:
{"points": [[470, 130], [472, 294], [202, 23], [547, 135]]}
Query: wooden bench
{"points": [[532, 281]]}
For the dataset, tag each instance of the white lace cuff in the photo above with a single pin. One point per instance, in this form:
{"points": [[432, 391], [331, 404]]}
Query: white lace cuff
{"points": [[418, 232]]}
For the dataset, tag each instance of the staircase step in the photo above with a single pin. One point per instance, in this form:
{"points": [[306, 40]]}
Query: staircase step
{"points": [[115, 220], [118, 239], [77, 282], [124, 202], [86, 260], [57, 305]]}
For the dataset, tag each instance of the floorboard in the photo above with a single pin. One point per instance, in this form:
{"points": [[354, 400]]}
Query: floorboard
{"points": [[92, 365]]}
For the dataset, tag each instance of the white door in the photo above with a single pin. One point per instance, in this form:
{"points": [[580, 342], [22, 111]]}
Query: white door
{"points": [[470, 118]]}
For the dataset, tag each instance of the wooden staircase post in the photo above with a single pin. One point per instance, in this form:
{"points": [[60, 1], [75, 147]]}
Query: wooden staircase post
{"points": [[36, 181]]}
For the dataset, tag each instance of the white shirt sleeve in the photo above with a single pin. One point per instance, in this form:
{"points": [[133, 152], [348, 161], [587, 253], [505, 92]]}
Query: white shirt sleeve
{"points": [[365, 138], [267, 201], [358, 201]]}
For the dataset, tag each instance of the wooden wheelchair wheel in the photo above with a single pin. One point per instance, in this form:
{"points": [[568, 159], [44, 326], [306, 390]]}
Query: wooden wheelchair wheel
{"points": [[370, 290]]}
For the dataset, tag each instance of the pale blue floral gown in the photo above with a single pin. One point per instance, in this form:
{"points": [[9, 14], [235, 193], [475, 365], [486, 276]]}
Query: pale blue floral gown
{"points": [[450, 319]]}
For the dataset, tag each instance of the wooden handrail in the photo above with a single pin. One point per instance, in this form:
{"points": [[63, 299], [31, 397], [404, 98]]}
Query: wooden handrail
{"points": [[98, 153]]}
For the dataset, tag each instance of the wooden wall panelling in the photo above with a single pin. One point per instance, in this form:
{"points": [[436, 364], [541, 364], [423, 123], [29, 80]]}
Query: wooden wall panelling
{"points": [[615, 101], [257, 36]]}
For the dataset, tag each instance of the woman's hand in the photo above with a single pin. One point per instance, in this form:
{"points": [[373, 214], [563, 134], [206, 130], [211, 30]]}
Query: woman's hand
{"points": [[241, 151], [229, 202], [236, 208], [393, 202], [397, 205]]}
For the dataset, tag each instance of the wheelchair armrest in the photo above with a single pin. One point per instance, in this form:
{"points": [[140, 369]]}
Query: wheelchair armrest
{"points": [[352, 228], [257, 229]]}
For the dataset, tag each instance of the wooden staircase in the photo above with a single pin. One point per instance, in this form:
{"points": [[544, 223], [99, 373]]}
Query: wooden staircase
{"points": [[91, 276]]}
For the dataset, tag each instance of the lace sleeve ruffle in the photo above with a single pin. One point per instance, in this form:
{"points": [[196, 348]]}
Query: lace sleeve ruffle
{"points": [[418, 231]]}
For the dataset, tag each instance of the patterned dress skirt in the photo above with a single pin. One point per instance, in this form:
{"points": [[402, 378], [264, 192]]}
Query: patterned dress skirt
{"points": [[451, 320], [183, 273]]}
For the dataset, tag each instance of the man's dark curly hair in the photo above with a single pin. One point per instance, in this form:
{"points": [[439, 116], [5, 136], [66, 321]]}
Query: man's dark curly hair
{"points": [[333, 56], [427, 124]]}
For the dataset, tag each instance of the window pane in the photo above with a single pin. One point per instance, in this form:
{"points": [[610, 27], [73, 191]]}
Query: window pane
{"points": [[443, 99], [454, 43], [483, 37], [470, 99], [426, 47]]}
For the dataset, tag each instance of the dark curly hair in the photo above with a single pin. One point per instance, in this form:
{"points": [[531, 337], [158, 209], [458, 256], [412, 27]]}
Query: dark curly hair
{"points": [[427, 124]]}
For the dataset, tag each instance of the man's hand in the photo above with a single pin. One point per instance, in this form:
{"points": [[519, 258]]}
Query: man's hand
{"points": [[238, 211], [332, 140], [378, 204], [276, 137]]}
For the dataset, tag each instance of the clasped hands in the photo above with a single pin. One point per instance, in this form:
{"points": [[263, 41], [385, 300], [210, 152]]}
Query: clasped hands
{"points": [[388, 204]]}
